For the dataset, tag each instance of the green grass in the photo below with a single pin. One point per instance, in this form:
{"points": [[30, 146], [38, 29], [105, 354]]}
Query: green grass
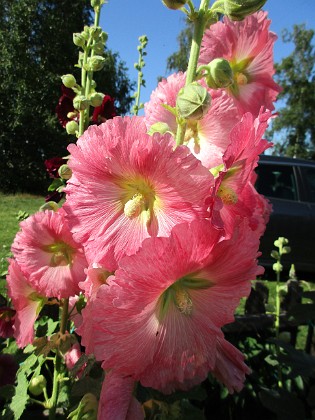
{"points": [[10, 205]]}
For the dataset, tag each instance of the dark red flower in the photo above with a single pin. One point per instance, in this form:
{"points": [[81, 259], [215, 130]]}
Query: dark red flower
{"points": [[6, 321], [104, 112], [65, 105], [54, 196], [52, 166]]}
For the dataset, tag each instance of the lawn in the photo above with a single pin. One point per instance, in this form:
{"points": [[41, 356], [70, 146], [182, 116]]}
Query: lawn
{"points": [[10, 206]]}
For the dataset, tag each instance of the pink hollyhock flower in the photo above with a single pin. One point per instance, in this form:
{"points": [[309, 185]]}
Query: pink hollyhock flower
{"points": [[127, 186], [207, 138], [65, 106], [27, 303], [7, 316], [104, 112], [47, 254], [248, 46], [116, 399], [239, 162], [159, 319], [71, 358]]}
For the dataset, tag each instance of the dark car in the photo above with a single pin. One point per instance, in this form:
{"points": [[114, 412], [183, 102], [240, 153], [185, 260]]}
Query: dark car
{"points": [[289, 184]]}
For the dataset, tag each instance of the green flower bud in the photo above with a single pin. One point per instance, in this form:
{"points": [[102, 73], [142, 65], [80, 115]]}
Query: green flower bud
{"points": [[96, 3], [95, 63], [275, 254], [37, 385], [72, 127], [68, 80], [78, 39], [220, 74], [104, 37], [174, 4], [65, 172], [87, 408], [80, 102], [239, 9], [193, 101], [281, 241], [98, 48], [95, 32], [50, 205], [96, 99], [277, 267]]}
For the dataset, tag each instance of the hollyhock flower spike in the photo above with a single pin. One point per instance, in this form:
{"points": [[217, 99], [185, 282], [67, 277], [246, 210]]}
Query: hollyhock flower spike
{"points": [[127, 186], [248, 46], [170, 301], [46, 252], [26, 301], [208, 137]]}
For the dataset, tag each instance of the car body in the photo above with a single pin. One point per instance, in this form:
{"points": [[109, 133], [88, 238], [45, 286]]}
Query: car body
{"points": [[289, 184]]}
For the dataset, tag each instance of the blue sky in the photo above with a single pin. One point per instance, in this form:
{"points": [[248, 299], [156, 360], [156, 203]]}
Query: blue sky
{"points": [[126, 20]]}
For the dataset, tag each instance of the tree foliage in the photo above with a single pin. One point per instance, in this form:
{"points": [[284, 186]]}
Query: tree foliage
{"points": [[36, 48], [178, 61], [296, 75]]}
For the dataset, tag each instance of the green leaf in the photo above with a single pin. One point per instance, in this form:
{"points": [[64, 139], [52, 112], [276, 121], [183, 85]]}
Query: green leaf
{"points": [[21, 398], [57, 182], [271, 360]]}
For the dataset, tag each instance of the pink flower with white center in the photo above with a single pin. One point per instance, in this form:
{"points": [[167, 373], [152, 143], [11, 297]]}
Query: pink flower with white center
{"points": [[127, 186], [208, 137], [248, 46], [47, 254], [233, 177], [159, 319], [27, 303], [116, 399]]}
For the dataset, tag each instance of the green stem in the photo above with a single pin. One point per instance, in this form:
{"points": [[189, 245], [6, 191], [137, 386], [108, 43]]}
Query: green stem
{"points": [[277, 327], [58, 363], [199, 28]]}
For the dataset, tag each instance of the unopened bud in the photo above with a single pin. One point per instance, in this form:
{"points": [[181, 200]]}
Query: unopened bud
{"points": [[78, 39], [239, 9], [95, 32], [96, 99], [68, 80], [98, 47], [65, 172], [72, 127], [50, 205], [220, 74], [174, 4], [96, 3], [277, 267], [37, 385], [95, 63], [193, 101], [80, 102]]}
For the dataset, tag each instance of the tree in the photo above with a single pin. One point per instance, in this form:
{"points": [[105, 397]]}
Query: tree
{"points": [[36, 48], [178, 61], [296, 75]]}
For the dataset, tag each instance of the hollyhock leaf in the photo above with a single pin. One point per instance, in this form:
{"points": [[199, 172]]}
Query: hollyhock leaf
{"points": [[21, 398]]}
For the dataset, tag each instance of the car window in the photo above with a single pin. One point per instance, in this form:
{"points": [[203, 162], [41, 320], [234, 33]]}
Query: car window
{"points": [[276, 181], [309, 178]]}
